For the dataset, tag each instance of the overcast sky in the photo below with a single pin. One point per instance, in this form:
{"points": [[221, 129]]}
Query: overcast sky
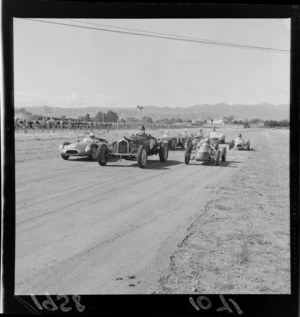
{"points": [[65, 66]]}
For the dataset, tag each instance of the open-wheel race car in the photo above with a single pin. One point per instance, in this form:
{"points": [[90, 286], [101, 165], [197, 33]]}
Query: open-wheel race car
{"points": [[171, 140], [133, 148], [184, 139], [239, 144], [86, 147], [205, 150], [217, 135]]}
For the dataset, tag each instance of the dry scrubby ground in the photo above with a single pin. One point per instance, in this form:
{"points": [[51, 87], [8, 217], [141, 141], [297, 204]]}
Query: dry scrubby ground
{"points": [[240, 242]]}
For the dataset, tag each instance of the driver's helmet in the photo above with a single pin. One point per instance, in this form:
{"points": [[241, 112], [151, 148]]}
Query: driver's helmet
{"points": [[240, 136], [141, 130], [92, 135]]}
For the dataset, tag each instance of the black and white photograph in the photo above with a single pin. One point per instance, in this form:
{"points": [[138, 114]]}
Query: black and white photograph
{"points": [[152, 156]]}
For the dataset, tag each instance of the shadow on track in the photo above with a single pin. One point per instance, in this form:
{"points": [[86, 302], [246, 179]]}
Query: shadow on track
{"points": [[233, 164], [80, 159], [151, 165]]}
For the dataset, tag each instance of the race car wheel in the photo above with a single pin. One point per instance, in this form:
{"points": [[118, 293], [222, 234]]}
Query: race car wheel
{"points": [[65, 157], [224, 154], [217, 157], [187, 155], [163, 153], [174, 145], [142, 156], [101, 154], [93, 155], [248, 146]]}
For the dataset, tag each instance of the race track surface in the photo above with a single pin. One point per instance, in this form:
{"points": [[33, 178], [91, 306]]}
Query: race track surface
{"points": [[86, 229]]}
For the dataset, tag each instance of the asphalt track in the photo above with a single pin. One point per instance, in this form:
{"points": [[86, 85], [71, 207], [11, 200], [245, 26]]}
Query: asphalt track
{"points": [[86, 229]]}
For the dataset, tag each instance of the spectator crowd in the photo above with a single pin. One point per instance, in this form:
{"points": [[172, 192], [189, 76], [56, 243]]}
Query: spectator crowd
{"points": [[57, 123]]}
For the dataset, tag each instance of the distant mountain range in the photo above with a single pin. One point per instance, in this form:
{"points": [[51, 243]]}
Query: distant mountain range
{"points": [[264, 111]]}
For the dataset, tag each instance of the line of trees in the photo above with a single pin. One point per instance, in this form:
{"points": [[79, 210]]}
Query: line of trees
{"points": [[273, 123], [266, 123]]}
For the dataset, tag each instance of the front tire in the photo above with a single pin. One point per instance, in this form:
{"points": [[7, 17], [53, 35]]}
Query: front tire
{"points": [[142, 156], [174, 145], [93, 156], [163, 153], [101, 154], [187, 155], [224, 155], [217, 157]]}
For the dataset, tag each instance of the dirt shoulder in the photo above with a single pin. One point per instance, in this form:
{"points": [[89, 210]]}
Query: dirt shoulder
{"points": [[240, 243]]}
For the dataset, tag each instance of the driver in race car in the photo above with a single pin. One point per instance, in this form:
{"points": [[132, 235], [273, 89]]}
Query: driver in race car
{"points": [[200, 134], [184, 133], [141, 132], [239, 138], [92, 136]]}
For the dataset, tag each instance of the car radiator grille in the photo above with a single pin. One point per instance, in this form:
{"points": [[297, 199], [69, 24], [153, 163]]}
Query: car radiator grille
{"points": [[123, 147], [72, 152]]}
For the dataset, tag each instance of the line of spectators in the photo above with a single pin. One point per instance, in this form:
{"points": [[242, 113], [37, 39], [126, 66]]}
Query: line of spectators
{"points": [[57, 123]]}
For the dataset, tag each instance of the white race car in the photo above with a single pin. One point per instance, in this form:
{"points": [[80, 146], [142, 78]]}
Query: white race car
{"points": [[239, 144], [205, 150]]}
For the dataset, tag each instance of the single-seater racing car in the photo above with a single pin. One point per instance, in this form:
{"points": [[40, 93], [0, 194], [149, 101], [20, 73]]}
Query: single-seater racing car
{"points": [[86, 147], [217, 135], [184, 139], [239, 144], [137, 147], [205, 150], [172, 140]]}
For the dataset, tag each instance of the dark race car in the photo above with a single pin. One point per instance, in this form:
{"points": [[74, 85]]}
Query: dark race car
{"points": [[184, 139], [171, 140], [86, 147], [137, 148], [205, 150]]}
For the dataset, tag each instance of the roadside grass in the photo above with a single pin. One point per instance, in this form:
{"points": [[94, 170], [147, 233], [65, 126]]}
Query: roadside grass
{"points": [[240, 243]]}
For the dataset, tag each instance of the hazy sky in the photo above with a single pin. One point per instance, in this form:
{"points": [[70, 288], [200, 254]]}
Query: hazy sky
{"points": [[65, 66]]}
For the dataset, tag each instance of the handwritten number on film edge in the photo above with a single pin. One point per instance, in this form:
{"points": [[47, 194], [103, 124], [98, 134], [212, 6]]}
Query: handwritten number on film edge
{"points": [[62, 306], [205, 303], [50, 305]]}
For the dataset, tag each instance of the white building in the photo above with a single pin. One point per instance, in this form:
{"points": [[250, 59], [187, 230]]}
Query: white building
{"points": [[218, 122]]}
